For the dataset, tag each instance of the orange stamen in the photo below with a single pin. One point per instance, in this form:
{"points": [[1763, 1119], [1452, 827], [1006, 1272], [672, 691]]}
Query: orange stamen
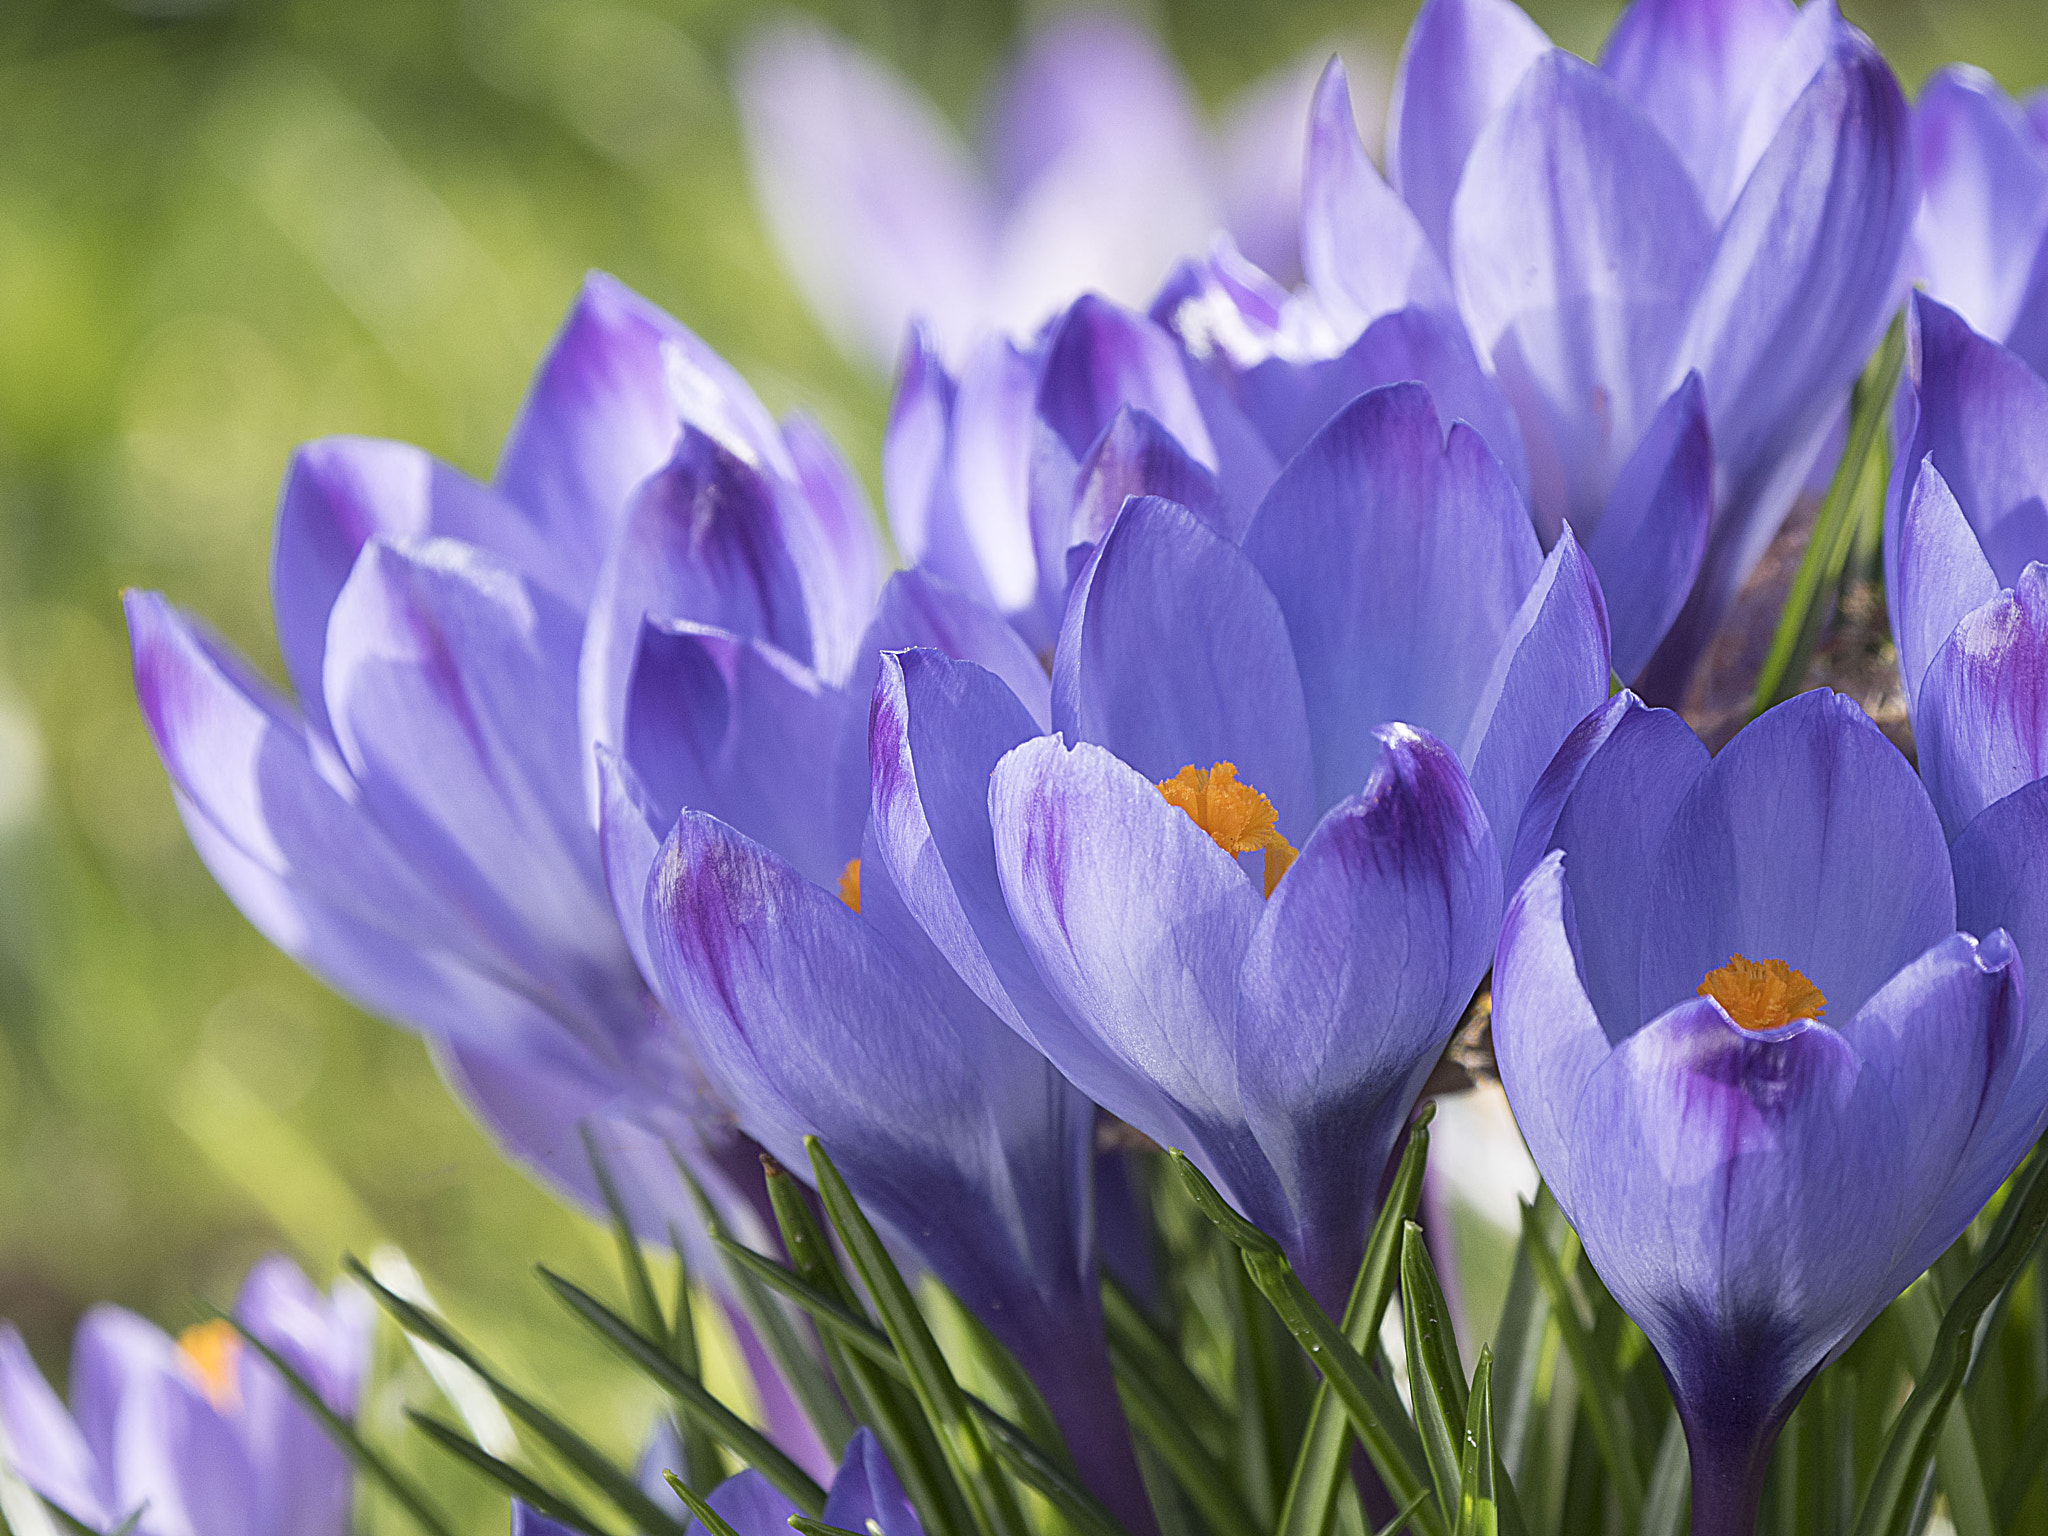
{"points": [[849, 884], [1238, 817], [210, 1351], [1762, 994]]}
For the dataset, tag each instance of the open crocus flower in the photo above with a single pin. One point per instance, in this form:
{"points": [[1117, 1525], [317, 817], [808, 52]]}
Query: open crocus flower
{"points": [[1220, 703], [419, 828], [1980, 245], [1727, 195], [197, 1435], [1764, 1074], [825, 1012], [1100, 174]]}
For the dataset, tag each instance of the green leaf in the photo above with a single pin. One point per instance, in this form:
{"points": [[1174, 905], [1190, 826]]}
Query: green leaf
{"points": [[1321, 1466], [1605, 1407], [1915, 1434], [1376, 1412], [557, 1507], [713, 1522], [1664, 1505], [1137, 1345], [1519, 1351], [1403, 1515], [1478, 1498], [960, 1434], [690, 1395], [343, 1434], [632, 1258], [1858, 479], [805, 1526], [1436, 1379], [588, 1462], [1195, 1471]]}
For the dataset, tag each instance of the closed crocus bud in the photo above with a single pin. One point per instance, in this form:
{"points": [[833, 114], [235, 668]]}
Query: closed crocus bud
{"points": [[1764, 1074], [197, 1435]]}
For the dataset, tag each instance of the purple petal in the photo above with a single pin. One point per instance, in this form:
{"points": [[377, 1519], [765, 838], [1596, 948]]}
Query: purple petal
{"points": [[917, 485], [326, 1339], [867, 1490], [1460, 64], [1578, 243], [1364, 252], [918, 613], [1552, 671], [1981, 719], [1546, 1036], [1259, 170], [750, 1504], [1399, 560], [995, 432], [1984, 197], [1102, 358], [1162, 586], [304, 1481], [1807, 840], [1138, 923], [1936, 574], [44, 1446], [1359, 969], [629, 835], [832, 530], [1650, 539], [1984, 418], [1693, 67], [526, 1523], [876, 209], [1136, 456], [736, 729]]}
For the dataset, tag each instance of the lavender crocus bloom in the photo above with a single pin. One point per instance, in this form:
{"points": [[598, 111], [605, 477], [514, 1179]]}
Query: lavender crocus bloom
{"points": [[1216, 700], [419, 829], [1980, 244], [1727, 196], [198, 1435], [1765, 1075], [1098, 174]]}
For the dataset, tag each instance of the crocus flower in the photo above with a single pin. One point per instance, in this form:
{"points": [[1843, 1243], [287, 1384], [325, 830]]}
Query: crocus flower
{"points": [[1098, 174], [197, 1435], [419, 828], [1765, 1075], [1727, 195], [1980, 244], [1221, 701]]}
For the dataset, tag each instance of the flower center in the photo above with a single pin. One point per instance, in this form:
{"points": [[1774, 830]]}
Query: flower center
{"points": [[1238, 817], [1762, 994], [210, 1351], [849, 884]]}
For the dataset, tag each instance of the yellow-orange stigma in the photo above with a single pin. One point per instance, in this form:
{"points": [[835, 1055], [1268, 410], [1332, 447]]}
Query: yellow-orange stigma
{"points": [[1238, 817], [1762, 994], [210, 1351], [849, 884]]}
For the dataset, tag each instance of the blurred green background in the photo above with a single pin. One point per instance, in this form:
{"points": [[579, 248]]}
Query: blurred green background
{"points": [[226, 227]]}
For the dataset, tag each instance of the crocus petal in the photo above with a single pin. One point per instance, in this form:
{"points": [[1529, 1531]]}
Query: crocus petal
{"points": [[1692, 66], [1361, 965], [1984, 197], [1937, 573], [1981, 720], [994, 435], [1578, 242], [1653, 534], [1258, 168], [917, 612], [750, 1505], [834, 541], [1460, 64], [866, 1493], [735, 728], [1605, 802], [44, 1447], [1136, 456], [1546, 1036], [1399, 559], [917, 471], [1983, 416], [526, 1523], [305, 1481], [875, 206], [1102, 358], [1776, 849], [1164, 588], [1138, 923], [1365, 253], [629, 835], [1552, 669]]}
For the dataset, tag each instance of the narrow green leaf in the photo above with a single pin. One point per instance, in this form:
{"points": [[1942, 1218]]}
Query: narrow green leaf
{"points": [[2025, 1466], [1910, 1447], [1478, 1498], [711, 1519], [1321, 1466], [960, 1434], [632, 1258], [588, 1462], [1403, 1515], [1670, 1491], [1436, 1378], [1136, 1344], [1376, 1412], [1835, 526], [343, 1434], [1195, 1471], [690, 1395], [805, 1526], [556, 1506], [1519, 1351], [1605, 1407]]}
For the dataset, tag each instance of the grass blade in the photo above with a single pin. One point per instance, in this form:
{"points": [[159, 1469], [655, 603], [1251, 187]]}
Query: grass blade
{"points": [[1197, 1473], [1436, 1378], [709, 1518], [1478, 1498], [518, 1484], [1670, 1490], [803, 1525], [1136, 1344]]}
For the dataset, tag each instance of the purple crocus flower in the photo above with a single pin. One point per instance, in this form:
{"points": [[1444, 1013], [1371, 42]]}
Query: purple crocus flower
{"points": [[420, 828], [1219, 699], [198, 1435], [1727, 195], [1980, 244], [1098, 174], [1765, 1075]]}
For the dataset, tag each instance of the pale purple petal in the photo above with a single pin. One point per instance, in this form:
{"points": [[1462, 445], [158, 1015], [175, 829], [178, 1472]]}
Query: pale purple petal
{"points": [[44, 1445], [1981, 717], [1984, 198], [832, 535], [1136, 456], [867, 1490], [1937, 573]]}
